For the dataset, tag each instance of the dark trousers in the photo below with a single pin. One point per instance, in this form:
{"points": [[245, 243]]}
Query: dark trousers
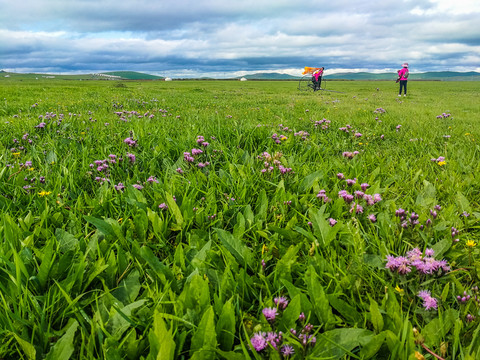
{"points": [[316, 83], [403, 84]]}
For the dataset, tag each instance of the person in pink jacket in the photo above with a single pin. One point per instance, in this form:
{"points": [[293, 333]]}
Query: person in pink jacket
{"points": [[402, 78], [317, 78]]}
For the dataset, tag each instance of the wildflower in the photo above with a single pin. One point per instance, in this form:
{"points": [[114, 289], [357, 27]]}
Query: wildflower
{"points": [[163, 206], [270, 314], [351, 182], [287, 350], [441, 163], [364, 186], [131, 157], [258, 341], [119, 187], [16, 154], [152, 179], [372, 218], [429, 302], [332, 222], [399, 290], [340, 176], [471, 243], [44, 193], [179, 170], [281, 302]]}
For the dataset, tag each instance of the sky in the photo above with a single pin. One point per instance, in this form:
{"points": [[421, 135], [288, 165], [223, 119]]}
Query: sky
{"points": [[225, 38]]}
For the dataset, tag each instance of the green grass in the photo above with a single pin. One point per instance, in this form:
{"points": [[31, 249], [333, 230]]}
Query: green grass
{"points": [[91, 270]]}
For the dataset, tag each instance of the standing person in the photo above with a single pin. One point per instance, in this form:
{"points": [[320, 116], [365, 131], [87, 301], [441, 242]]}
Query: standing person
{"points": [[402, 78], [317, 78]]}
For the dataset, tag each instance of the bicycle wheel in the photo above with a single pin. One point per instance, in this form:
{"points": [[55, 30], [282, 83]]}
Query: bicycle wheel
{"points": [[305, 83]]}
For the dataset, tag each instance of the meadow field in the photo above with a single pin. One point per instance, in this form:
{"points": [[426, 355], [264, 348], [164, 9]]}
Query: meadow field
{"points": [[239, 220]]}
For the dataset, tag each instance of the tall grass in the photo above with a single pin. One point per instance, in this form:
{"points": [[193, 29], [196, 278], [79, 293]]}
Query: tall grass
{"points": [[117, 244]]}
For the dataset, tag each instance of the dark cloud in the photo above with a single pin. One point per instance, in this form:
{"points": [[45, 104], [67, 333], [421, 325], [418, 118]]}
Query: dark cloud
{"points": [[249, 35]]}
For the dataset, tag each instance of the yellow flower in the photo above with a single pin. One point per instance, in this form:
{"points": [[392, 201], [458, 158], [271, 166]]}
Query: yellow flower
{"points": [[82, 133], [283, 138], [44, 193], [16, 154], [264, 248], [30, 169], [466, 134], [400, 291], [441, 163], [471, 243]]}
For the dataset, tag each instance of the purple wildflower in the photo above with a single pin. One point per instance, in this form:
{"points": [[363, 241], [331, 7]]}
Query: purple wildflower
{"points": [[258, 341], [270, 314], [287, 350], [281, 302]]}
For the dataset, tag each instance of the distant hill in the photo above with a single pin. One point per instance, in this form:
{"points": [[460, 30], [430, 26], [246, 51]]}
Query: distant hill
{"points": [[132, 75], [269, 76], [444, 76]]}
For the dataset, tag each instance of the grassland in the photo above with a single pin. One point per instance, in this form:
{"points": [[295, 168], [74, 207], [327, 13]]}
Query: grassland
{"points": [[163, 220]]}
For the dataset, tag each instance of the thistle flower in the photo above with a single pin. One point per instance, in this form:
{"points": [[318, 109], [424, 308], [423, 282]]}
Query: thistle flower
{"points": [[258, 341], [281, 302], [270, 314]]}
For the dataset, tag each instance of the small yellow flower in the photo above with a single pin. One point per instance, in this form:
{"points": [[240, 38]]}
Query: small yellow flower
{"points": [[283, 138], [82, 133], [16, 154], [441, 163], [44, 193], [360, 143], [399, 290], [30, 169], [466, 134], [471, 243], [264, 248], [120, 220]]}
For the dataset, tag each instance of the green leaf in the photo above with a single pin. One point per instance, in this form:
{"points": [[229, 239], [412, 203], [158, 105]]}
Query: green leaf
{"points": [[335, 344], [27, 348], [162, 344], [101, 225], [319, 300], [177, 214], [436, 330], [163, 273], [226, 327], [47, 263], [371, 348], [204, 340], [262, 205], [283, 270], [66, 241], [64, 347], [309, 180], [141, 225], [239, 227], [462, 202], [376, 317], [234, 245], [442, 247], [129, 288], [348, 312], [291, 313]]}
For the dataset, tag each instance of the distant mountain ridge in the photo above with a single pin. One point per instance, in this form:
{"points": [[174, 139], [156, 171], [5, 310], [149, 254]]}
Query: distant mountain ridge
{"points": [[443, 75], [134, 75]]}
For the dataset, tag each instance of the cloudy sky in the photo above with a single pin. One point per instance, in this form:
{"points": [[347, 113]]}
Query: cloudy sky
{"points": [[221, 38]]}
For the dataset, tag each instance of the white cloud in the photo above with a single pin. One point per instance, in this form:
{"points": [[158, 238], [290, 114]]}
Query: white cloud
{"points": [[238, 36]]}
